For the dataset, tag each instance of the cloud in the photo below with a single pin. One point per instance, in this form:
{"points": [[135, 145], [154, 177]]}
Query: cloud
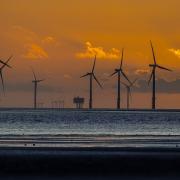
{"points": [[176, 52], [28, 36], [22, 34], [67, 76], [141, 71], [90, 52], [49, 40], [35, 51], [32, 45]]}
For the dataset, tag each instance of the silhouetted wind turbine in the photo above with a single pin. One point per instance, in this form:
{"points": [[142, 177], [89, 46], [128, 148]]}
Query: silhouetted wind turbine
{"points": [[153, 76], [4, 64], [129, 94], [92, 76], [120, 72], [35, 81]]}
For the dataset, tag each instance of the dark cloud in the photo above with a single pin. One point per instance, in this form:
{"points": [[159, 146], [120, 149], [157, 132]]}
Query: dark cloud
{"points": [[141, 86], [163, 86], [28, 87]]}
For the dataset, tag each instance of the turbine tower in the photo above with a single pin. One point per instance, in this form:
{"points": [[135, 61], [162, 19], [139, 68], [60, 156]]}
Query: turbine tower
{"points": [[91, 77], [153, 76], [35, 81], [4, 64], [120, 72], [129, 95]]}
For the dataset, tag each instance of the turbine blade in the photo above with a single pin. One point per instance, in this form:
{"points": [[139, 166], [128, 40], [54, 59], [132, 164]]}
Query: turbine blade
{"points": [[124, 84], [133, 82], [150, 77], [34, 74], [85, 75], [9, 59], [97, 81], [154, 57], [94, 64], [2, 62], [2, 81], [122, 58], [6, 62], [113, 73], [161, 67], [125, 77], [40, 80]]}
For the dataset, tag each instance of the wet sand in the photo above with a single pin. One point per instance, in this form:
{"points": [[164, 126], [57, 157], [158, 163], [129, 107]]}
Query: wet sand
{"points": [[90, 141]]}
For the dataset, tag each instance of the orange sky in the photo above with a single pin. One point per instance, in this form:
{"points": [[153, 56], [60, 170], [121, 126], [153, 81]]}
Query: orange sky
{"points": [[59, 38]]}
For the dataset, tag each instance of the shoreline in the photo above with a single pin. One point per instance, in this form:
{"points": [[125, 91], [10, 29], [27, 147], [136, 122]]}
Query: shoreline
{"points": [[90, 110], [90, 141]]}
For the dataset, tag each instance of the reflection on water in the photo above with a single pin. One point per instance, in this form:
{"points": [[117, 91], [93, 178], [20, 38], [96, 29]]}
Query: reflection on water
{"points": [[18, 122]]}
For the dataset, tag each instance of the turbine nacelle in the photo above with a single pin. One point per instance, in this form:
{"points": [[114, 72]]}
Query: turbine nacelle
{"points": [[4, 64], [160, 67], [153, 73], [120, 70], [92, 74], [117, 70], [37, 81], [92, 77], [87, 74], [152, 65]]}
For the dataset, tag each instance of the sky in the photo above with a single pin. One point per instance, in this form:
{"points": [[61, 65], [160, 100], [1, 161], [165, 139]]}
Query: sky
{"points": [[59, 39]]}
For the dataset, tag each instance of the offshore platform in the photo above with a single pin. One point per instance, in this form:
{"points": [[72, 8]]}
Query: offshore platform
{"points": [[79, 102]]}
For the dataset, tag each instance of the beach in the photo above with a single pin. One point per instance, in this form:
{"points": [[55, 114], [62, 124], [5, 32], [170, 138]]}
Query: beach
{"points": [[109, 156]]}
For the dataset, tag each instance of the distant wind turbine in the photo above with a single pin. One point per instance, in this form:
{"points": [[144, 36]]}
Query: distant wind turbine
{"points": [[92, 76], [153, 76], [35, 81], [4, 64], [120, 72], [129, 94]]}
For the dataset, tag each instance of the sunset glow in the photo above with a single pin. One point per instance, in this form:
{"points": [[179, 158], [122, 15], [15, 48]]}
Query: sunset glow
{"points": [[59, 39]]}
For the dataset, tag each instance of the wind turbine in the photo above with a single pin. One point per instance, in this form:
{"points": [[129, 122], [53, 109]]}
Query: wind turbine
{"points": [[35, 81], [153, 76], [91, 77], [4, 64], [128, 88], [120, 72]]}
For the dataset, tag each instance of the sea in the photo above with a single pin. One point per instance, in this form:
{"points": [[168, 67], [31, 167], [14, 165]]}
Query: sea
{"points": [[85, 122]]}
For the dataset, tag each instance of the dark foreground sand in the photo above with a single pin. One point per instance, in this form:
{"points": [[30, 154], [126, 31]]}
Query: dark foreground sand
{"points": [[90, 157]]}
